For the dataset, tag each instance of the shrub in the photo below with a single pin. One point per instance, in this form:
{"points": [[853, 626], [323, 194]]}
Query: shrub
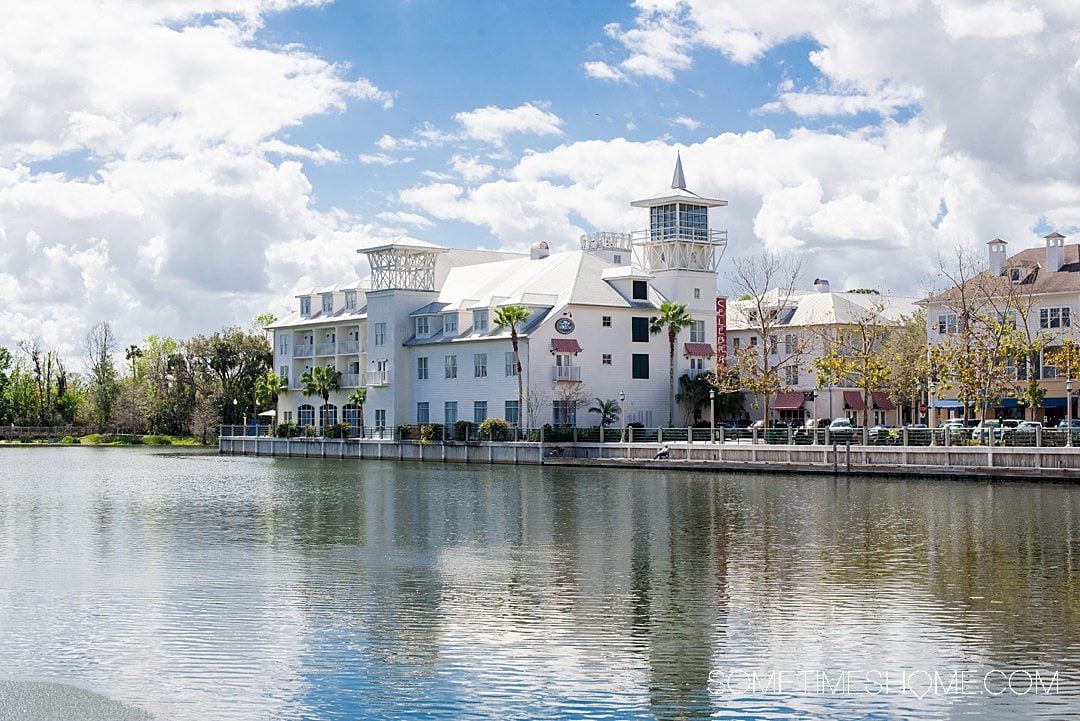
{"points": [[310, 431], [431, 432], [495, 429], [463, 430], [287, 430], [69, 441], [408, 432], [336, 430], [157, 440]]}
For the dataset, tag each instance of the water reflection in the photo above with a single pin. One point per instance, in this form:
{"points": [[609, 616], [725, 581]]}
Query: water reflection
{"points": [[194, 586]]}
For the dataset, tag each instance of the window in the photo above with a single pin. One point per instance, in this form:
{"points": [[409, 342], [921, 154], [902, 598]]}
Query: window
{"points": [[284, 373], [421, 368], [350, 413], [639, 330], [697, 365], [697, 293], [479, 411], [789, 344], [736, 343], [450, 413], [479, 365], [283, 344], [791, 375], [774, 345], [753, 341], [511, 366], [423, 414], [350, 300], [380, 418], [641, 290], [305, 305], [606, 359], [564, 413], [618, 259], [511, 412], [422, 326], [1054, 317], [479, 320], [605, 321], [288, 417], [451, 366], [640, 365], [450, 324], [327, 302], [1014, 275], [697, 331], [305, 415], [327, 415], [946, 323], [380, 334]]}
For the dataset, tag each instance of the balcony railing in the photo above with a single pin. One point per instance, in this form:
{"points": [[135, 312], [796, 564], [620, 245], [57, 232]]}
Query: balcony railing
{"points": [[692, 235], [566, 373], [351, 380], [325, 348], [349, 346], [303, 351], [296, 384], [377, 378]]}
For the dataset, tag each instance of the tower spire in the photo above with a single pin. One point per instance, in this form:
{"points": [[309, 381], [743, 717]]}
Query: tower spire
{"points": [[678, 181]]}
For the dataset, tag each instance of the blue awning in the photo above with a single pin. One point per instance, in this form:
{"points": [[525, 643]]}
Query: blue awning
{"points": [[1008, 403], [1053, 402], [947, 403]]}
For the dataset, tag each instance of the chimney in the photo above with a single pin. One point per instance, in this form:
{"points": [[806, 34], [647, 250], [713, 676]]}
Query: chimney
{"points": [[997, 256], [1055, 252], [821, 285], [539, 250]]}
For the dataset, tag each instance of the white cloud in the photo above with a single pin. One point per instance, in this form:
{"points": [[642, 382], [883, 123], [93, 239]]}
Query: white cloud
{"points": [[470, 168], [602, 71], [686, 122], [413, 219], [382, 159], [489, 125]]}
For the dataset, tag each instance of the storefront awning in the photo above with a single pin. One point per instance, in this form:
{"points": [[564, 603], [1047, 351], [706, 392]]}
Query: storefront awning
{"points": [[565, 345], [1053, 402], [699, 350], [947, 403], [790, 401], [853, 401], [882, 402]]}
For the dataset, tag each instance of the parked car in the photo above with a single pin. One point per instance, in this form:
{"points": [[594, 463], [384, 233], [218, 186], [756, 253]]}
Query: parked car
{"points": [[1030, 426], [993, 428], [882, 433], [810, 430], [1075, 425], [838, 424]]}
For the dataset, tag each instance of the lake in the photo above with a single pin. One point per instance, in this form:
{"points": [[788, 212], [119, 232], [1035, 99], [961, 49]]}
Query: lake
{"points": [[139, 583]]}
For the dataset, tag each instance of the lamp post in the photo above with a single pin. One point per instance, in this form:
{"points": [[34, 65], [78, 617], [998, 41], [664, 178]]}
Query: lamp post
{"points": [[1068, 408], [622, 417], [712, 415], [931, 410], [234, 404]]}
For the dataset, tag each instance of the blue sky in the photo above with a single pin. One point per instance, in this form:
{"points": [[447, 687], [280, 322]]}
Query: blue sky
{"points": [[173, 166]]}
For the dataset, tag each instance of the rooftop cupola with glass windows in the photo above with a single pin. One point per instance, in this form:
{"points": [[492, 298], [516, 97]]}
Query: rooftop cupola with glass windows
{"points": [[678, 236], [403, 264]]}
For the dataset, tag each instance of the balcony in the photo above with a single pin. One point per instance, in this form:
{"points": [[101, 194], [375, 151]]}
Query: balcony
{"points": [[349, 346], [303, 351], [351, 380], [571, 374], [326, 348], [296, 384], [377, 378]]}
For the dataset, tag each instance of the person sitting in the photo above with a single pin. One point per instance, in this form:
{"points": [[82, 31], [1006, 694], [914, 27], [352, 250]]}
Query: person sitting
{"points": [[556, 451], [663, 452]]}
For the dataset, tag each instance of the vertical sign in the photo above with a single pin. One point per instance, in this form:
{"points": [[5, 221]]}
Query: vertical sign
{"points": [[721, 335]]}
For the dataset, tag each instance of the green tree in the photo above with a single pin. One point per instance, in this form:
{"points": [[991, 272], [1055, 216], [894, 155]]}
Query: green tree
{"points": [[267, 388], [608, 409], [512, 316], [132, 355], [321, 381], [224, 367], [857, 353], [104, 388], [358, 398], [672, 320]]}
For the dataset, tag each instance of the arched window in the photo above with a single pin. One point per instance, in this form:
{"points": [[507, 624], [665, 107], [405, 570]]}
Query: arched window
{"points": [[327, 415], [350, 413], [305, 415]]}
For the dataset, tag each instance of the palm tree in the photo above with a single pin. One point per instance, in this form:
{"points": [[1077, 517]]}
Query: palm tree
{"points": [[358, 398], [267, 388], [673, 318], [511, 316], [321, 381], [608, 410]]}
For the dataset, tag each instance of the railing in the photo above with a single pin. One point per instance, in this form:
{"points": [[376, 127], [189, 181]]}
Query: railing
{"points": [[251, 429], [351, 380], [377, 378], [349, 346], [11, 432], [326, 348], [566, 373], [691, 235], [303, 351]]}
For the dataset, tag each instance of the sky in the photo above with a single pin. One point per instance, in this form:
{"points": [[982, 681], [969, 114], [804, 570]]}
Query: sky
{"points": [[176, 166]]}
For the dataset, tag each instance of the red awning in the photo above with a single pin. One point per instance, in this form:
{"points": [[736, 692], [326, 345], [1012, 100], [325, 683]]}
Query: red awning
{"points": [[565, 345], [882, 401], [699, 349], [853, 400], [790, 401]]}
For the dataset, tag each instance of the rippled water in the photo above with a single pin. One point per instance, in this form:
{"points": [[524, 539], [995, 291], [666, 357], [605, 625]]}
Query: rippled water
{"points": [[192, 586]]}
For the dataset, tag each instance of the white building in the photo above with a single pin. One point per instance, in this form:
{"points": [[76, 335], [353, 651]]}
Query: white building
{"points": [[419, 333], [803, 318]]}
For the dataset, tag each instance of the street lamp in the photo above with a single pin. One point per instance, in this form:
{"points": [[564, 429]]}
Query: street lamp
{"points": [[1068, 408], [622, 417], [234, 404], [712, 415]]}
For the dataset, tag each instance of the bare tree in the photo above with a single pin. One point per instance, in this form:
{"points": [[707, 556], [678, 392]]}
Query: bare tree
{"points": [[769, 282], [100, 348], [535, 401]]}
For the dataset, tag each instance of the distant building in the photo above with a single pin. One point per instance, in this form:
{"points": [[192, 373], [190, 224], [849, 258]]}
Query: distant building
{"points": [[803, 319], [419, 332]]}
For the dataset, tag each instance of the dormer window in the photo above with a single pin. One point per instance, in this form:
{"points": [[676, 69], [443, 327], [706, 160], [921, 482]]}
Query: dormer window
{"points": [[480, 320], [450, 324], [327, 302], [640, 290], [350, 300], [1014, 275], [305, 305], [422, 326]]}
